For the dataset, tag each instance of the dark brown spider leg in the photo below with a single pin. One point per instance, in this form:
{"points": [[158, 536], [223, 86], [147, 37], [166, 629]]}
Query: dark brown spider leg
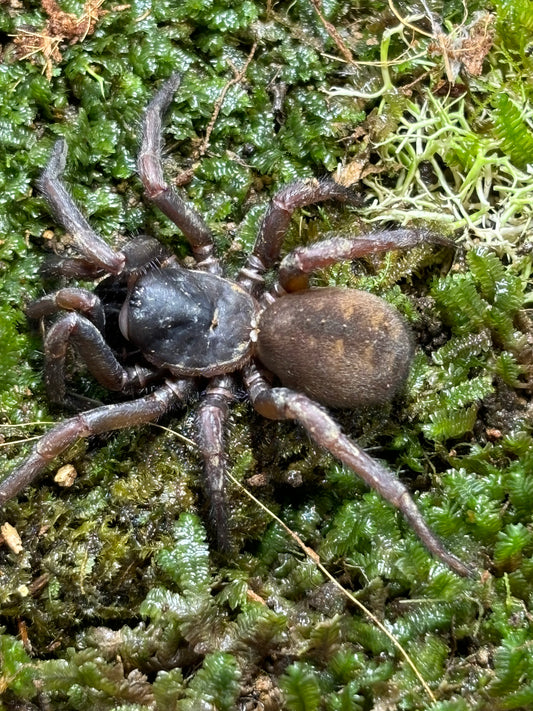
{"points": [[92, 422], [69, 299], [87, 242], [211, 418], [144, 252], [140, 253], [71, 267], [157, 189], [298, 264], [74, 329], [282, 404], [277, 219]]}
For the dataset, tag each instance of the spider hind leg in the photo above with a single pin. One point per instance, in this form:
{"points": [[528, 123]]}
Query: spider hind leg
{"points": [[285, 404]]}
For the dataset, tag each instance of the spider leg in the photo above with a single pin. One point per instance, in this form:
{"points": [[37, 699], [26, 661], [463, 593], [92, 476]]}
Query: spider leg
{"points": [[92, 422], [69, 299], [282, 404], [138, 254], [70, 267], [211, 418], [150, 169], [144, 252], [277, 219], [298, 264], [74, 329], [87, 242]]}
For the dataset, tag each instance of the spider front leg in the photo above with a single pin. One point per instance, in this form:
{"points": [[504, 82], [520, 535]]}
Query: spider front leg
{"points": [[285, 404], [69, 299], [150, 169], [87, 242], [93, 422], [298, 264]]}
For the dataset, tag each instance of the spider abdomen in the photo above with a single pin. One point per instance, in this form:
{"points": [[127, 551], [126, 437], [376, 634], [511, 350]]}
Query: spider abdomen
{"points": [[341, 347]]}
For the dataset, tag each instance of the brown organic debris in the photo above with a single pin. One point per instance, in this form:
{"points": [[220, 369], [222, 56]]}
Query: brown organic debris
{"points": [[65, 475], [11, 538], [468, 49], [60, 27]]}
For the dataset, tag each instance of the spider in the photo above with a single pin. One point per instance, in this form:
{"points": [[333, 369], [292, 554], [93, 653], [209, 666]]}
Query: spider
{"points": [[186, 331]]}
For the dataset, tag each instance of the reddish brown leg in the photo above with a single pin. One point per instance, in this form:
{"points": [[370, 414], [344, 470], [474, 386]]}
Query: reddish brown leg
{"points": [[72, 268], [211, 418], [285, 404], [74, 329], [92, 422], [87, 242], [157, 189], [138, 254], [69, 299], [277, 219], [298, 264]]}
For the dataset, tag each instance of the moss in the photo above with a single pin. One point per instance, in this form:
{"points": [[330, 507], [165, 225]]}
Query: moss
{"points": [[117, 599]]}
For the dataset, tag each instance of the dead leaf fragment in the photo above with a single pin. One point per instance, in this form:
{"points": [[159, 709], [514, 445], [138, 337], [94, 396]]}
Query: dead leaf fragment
{"points": [[61, 27], [467, 48], [65, 475], [11, 538]]}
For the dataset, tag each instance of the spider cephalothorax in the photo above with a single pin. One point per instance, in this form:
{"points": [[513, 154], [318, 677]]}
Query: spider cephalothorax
{"points": [[195, 331]]}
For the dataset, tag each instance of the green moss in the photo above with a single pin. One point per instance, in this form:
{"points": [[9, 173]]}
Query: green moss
{"points": [[301, 687], [124, 601], [16, 671]]}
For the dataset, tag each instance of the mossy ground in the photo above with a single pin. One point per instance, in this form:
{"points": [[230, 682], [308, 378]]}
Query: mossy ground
{"points": [[116, 600]]}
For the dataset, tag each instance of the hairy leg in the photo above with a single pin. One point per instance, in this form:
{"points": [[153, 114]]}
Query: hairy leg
{"points": [[87, 242], [277, 219], [97, 421], [298, 264], [76, 330], [151, 173], [69, 299], [285, 404], [211, 418]]}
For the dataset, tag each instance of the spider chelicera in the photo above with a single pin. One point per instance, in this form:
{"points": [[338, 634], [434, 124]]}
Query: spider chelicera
{"points": [[192, 330]]}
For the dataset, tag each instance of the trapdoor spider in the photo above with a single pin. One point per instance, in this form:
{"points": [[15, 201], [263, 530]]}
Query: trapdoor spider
{"points": [[196, 331]]}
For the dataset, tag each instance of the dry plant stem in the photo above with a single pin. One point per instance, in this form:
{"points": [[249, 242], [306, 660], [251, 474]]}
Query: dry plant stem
{"points": [[239, 76], [332, 32], [315, 558], [186, 176]]}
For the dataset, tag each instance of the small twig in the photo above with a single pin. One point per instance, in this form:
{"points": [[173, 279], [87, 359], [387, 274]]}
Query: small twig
{"points": [[315, 558], [332, 32], [20, 441], [239, 76], [186, 176], [184, 439]]}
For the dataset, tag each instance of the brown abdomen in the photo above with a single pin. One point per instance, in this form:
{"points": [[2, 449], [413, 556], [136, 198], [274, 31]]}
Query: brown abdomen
{"points": [[341, 347]]}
